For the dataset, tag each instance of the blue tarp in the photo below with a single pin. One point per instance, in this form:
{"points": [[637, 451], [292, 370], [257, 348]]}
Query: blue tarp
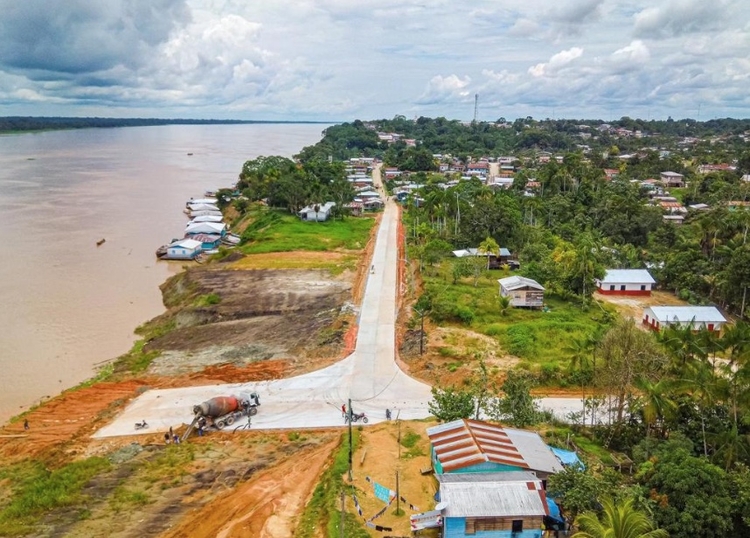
{"points": [[567, 457], [554, 510]]}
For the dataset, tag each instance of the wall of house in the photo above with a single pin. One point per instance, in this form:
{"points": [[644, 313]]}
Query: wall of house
{"points": [[630, 289], [181, 254], [456, 527], [488, 467]]}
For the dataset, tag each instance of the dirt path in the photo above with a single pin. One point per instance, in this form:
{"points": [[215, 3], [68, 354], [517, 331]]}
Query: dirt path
{"points": [[266, 507]]}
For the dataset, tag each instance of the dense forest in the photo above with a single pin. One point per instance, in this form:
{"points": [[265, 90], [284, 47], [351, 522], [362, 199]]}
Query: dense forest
{"points": [[29, 123]]}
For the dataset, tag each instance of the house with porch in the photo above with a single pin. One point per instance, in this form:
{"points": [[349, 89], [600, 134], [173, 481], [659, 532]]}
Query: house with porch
{"points": [[489, 505], [672, 179], [472, 446], [523, 291], [626, 282], [696, 317]]}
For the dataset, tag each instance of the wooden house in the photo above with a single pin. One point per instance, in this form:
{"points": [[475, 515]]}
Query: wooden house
{"points": [[626, 282], [317, 212], [492, 505], [672, 179], [522, 291]]}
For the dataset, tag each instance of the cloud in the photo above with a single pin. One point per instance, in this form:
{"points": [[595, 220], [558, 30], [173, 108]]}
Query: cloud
{"points": [[577, 12], [79, 36], [556, 62], [680, 17], [441, 89]]}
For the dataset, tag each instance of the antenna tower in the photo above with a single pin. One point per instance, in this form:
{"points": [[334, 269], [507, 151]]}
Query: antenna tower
{"points": [[476, 104]]}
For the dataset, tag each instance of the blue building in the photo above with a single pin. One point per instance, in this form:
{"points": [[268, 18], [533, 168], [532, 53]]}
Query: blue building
{"points": [[492, 505], [185, 249], [472, 446]]}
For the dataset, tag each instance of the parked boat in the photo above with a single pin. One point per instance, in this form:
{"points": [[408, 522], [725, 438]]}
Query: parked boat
{"points": [[204, 213], [207, 218]]}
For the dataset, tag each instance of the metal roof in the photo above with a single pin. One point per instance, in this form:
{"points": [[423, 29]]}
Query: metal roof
{"points": [[686, 314], [189, 244], [628, 276], [463, 443], [205, 227], [488, 495], [515, 282]]}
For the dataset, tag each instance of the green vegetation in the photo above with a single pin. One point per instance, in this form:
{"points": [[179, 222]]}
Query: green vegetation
{"points": [[207, 300], [36, 490], [275, 231], [409, 439], [171, 465], [534, 335], [136, 360], [324, 508]]}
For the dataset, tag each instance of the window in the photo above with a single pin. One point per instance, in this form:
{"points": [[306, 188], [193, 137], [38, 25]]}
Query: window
{"points": [[517, 525], [643, 287], [612, 287], [622, 288]]}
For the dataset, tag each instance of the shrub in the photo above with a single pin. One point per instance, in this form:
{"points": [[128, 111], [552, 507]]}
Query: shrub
{"points": [[520, 338], [464, 314]]}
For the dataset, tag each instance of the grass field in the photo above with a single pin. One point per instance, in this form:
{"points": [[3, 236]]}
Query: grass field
{"points": [[538, 337], [275, 231], [335, 262]]}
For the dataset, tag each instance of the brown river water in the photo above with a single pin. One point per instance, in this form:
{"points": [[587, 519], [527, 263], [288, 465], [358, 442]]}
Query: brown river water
{"points": [[66, 304]]}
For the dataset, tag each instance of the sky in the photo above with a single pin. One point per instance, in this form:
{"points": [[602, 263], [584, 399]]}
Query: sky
{"points": [[339, 60]]}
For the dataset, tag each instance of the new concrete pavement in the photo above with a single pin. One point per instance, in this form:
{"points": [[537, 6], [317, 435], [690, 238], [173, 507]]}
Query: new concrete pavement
{"points": [[369, 376]]}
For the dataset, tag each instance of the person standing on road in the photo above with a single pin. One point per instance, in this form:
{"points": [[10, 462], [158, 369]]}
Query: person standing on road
{"points": [[26, 424], [167, 438], [343, 409]]}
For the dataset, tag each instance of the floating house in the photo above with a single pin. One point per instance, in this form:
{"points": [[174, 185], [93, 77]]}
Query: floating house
{"points": [[209, 228], [472, 446], [185, 249], [317, 212], [194, 201], [204, 213], [696, 317], [208, 218], [626, 282], [492, 505], [202, 207], [207, 241], [522, 291]]}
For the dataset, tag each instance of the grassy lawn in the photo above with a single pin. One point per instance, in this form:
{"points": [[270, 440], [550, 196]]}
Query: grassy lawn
{"points": [[335, 262], [275, 231], [537, 337]]}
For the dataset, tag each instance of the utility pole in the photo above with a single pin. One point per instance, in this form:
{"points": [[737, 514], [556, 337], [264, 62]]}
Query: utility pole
{"points": [[350, 439], [398, 495], [476, 106]]}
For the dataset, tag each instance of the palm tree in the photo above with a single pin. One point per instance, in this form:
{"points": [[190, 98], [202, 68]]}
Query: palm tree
{"points": [[621, 520], [579, 360], [655, 402]]}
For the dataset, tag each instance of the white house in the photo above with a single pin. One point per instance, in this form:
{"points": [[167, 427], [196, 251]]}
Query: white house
{"points": [[185, 249], [672, 179], [626, 282], [522, 291], [317, 212], [697, 317]]}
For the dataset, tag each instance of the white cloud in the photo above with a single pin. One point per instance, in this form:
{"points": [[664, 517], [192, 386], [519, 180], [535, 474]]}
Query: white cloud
{"points": [[441, 89], [556, 62]]}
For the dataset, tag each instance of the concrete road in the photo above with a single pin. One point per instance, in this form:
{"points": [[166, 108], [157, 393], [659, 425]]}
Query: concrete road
{"points": [[369, 376]]}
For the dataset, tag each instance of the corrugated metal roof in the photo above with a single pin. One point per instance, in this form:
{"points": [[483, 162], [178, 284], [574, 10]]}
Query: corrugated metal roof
{"points": [[511, 476], [488, 495], [463, 443], [515, 282], [686, 314], [205, 227], [189, 244], [628, 276]]}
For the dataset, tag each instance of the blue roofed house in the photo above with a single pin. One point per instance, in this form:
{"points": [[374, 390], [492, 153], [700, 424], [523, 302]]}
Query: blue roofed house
{"points": [[184, 249]]}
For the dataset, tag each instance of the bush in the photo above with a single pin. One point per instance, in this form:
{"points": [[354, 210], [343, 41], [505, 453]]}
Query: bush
{"points": [[464, 314], [520, 338]]}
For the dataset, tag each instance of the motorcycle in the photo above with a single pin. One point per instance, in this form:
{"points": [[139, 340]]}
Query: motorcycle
{"points": [[356, 417], [141, 425]]}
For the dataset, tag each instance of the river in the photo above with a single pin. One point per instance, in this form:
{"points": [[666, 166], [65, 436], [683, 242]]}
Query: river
{"points": [[68, 304]]}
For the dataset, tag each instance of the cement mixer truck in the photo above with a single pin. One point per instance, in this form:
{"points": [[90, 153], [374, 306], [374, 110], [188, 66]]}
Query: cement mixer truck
{"points": [[222, 411]]}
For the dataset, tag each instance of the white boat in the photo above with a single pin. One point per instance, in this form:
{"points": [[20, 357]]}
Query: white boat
{"points": [[194, 214], [207, 218], [210, 201], [202, 207]]}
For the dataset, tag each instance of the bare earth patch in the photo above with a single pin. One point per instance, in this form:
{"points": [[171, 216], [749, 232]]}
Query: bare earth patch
{"points": [[632, 306]]}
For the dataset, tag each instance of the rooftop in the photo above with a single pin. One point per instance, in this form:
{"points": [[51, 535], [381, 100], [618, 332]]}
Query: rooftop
{"points": [[628, 276], [492, 494], [686, 314], [463, 443], [516, 282]]}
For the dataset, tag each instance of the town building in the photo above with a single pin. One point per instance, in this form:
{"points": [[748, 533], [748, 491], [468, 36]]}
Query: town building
{"points": [[696, 317], [626, 282], [317, 212], [184, 249], [672, 179]]}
